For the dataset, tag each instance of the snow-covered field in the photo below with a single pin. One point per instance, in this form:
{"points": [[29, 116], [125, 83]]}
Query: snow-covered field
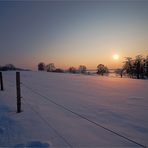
{"points": [[70, 110]]}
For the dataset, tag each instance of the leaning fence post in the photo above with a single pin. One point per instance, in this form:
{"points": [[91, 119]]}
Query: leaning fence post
{"points": [[18, 92], [1, 81]]}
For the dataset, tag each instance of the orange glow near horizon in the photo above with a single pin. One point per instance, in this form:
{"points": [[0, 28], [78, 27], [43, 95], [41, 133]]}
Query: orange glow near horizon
{"points": [[112, 59], [116, 57]]}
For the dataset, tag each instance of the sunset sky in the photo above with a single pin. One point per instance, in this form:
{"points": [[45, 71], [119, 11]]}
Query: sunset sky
{"points": [[71, 33]]}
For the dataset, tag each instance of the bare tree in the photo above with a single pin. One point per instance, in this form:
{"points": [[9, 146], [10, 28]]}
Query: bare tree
{"points": [[129, 66], [146, 66], [136, 67], [139, 66], [50, 67], [82, 69], [41, 66], [10, 67], [101, 69], [72, 70]]}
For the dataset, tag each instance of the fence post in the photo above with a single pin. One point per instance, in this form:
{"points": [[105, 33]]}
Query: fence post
{"points": [[18, 92], [1, 81]]}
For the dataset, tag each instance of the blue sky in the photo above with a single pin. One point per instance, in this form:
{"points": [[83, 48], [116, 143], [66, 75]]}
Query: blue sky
{"points": [[72, 33]]}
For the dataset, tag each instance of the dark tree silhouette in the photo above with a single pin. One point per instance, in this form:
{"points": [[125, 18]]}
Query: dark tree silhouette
{"points": [[136, 68], [101, 69], [10, 67], [41, 66], [72, 70], [128, 66], [146, 66], [58, 70], [139, 69], [82, 69], [50, 67]]}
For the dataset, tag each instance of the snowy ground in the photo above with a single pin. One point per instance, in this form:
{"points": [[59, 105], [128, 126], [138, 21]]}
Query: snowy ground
{"points": [[70, 110]]}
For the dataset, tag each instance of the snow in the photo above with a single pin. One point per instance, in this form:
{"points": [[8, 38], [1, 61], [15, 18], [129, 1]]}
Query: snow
{"points": [[49, 104]]}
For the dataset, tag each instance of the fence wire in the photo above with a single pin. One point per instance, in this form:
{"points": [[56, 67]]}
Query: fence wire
{"points": [[46, 122], [81, 116], [42, 118], [73, 112]]}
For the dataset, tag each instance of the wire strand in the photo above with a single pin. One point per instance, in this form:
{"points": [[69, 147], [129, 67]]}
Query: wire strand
{"points": [[81, 116], [47, 123]]}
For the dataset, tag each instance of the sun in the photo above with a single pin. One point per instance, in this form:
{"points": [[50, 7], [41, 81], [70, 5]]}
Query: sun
{"points": [[115, 56]]}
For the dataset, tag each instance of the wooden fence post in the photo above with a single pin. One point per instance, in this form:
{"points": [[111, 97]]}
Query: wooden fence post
{"points": [[1, 81], [18, 92]]}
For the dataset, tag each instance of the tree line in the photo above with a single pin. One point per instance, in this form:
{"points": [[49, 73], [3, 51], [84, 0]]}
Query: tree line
{"points": [[132, 67], [101, 69], [135, 67], [7, 67], [11, 67]]}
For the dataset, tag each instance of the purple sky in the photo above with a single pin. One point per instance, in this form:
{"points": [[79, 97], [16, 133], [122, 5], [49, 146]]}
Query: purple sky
{"points": [[72, 33]]}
